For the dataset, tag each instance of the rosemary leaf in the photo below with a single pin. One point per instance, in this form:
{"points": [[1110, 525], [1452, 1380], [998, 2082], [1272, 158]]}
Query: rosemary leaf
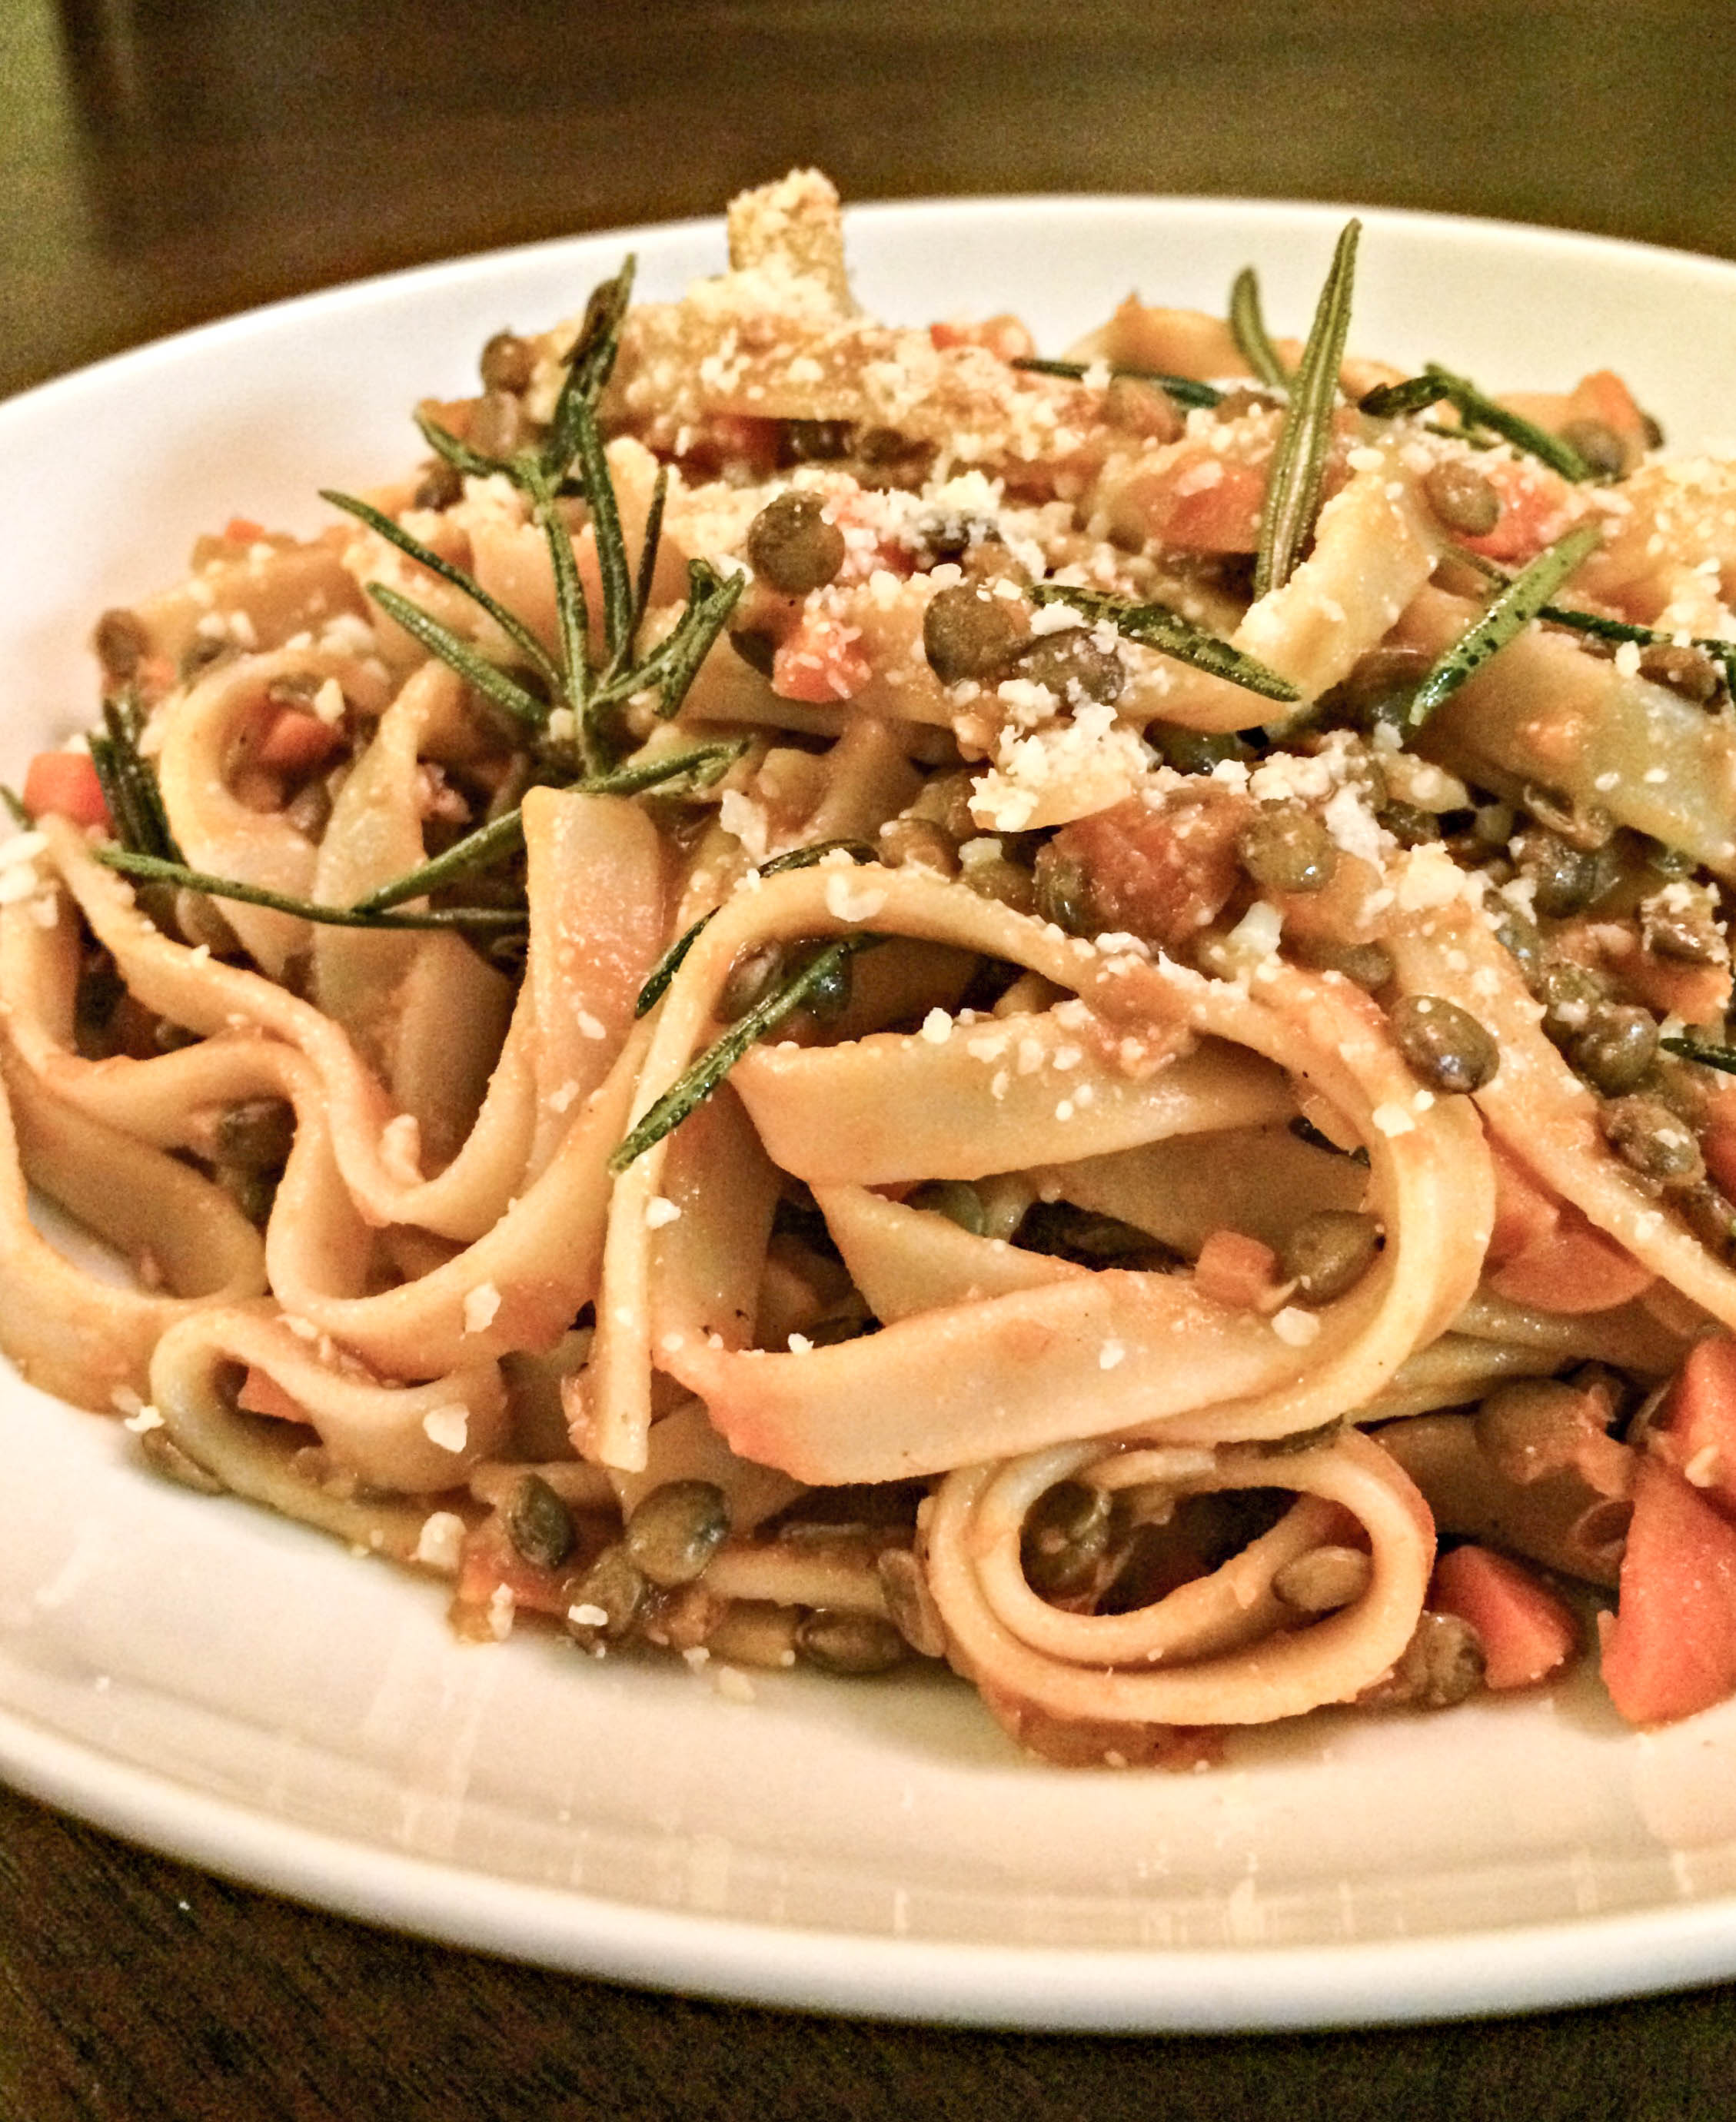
{"points": [[394, 534], [1248, 328], [1436, 384], [606, 522], [460, 655], [589, 366], [657, 985], [155, 871], [649, 552], [15, 812], [1508, 614], [691, 1090], [1156, 626], [1708, 1057], [460, 456], [573, 617], [128, 782], [673, 664], [1185, 390], [504, 835], [1299, 461]]}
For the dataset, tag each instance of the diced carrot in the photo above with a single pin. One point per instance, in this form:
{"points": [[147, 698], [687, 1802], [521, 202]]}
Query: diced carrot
{"points": [[66, 783], [1698, 995], [1200, 499], [296, 742], [243, 531], [1696, 1430], [1003, 336], [1161, 874], [1236, 1270], [820, 660], [1526, 1631], [1575, 1269], [1671, 1648], [260, 1394]]}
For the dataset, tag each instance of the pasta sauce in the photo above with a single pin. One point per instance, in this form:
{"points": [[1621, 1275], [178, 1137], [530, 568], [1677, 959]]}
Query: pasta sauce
{"points": [[835, 995]]}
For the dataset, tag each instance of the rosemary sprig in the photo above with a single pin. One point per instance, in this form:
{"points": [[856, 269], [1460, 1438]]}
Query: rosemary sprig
{"points": [[458, 655], [649, 551], [1709, 1057], [1436, 385], [1185, 390], [1604, 629], [503, 836], [657, 985], [1156, 626], [394, 534], [1299, 460], [691, 1090], [589, 366], [128, 782], [1248, 328], [671, 668], [15, 809], [460, 456], [153, 869], [611, 546], [1511, 610]]}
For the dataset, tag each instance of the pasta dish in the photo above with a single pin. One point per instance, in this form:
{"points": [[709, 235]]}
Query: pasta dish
{"points": [[847, 996]]}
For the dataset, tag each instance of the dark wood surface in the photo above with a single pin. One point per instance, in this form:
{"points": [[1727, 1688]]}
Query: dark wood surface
{"points": [[163, 162]]}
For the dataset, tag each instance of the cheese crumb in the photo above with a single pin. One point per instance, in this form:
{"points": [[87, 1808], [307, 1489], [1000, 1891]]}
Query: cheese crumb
{"points": [[502, 1601], [1295, 1326], [1392, 1120], [1111, 1353], [441, 1541], [733, 1684], [480, 1305], [147, 1419], [936, 1027], [448, 1427], [660, 1212]]}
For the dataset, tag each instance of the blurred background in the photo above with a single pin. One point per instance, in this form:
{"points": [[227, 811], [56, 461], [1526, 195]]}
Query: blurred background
{"points": [[166, 161], [163, 161]]}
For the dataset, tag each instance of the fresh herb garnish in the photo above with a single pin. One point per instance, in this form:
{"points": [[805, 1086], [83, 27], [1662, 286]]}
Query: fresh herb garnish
{"points": [[1436, 385], [1156, 626], [1185, 390], [1507, 615], [1709, 1057], [691, 1090], [128, 782], [670, 964], [1299, 461], [153, 869], [1248, 328]]}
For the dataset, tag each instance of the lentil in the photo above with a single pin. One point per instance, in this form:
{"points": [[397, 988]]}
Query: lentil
{"points": [[792, 547], [1067, 1538], [1649, 1137], [850, 1646], [121, 644], [508, 363], [1324, 1579], [1567, 878], [616, 1588], [1685, 669], [539, 1524], [674, 1531], [956, 1200], [1460, 499], [1444, 1043], [1072, 666], [1328, 1253], [1287, 848], [1603, 449], [1367, 965], [966, 633], [1616, 1047]]}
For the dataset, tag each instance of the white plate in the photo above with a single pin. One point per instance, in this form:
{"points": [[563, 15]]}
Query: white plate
{"points": [[240, 1691]]}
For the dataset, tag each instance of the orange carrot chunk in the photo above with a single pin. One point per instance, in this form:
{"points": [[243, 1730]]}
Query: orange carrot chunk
{"points": [[1672, 1647], [1236, 1270], [65, 782], [1698, 1426], [1575, 1269], [1527, 1632], [260, 1394]]}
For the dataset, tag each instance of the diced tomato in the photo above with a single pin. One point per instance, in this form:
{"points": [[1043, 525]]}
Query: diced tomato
{"points": [[1003, 336], [65, 782], [243, 531], [1697, 1431], [260, 1394], [1537, 505], [1527, 1632], [821, 660], [1236, 1270], [1577, 1269], [1671, 1648], [489, 1560], [1698, 995], [296, 742], [1209, 502], [1162, 875]]}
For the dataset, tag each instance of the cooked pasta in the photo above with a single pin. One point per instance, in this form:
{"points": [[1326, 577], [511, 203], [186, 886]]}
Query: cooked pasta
{"points": [[833, 994]]}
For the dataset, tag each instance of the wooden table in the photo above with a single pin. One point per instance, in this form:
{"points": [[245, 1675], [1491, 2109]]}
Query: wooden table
{"points": [[163, 162]]}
